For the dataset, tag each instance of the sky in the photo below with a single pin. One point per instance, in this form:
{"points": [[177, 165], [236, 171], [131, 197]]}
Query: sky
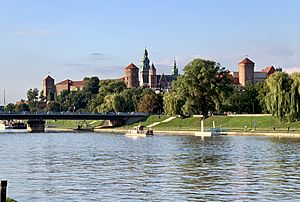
{"points": [[73, 39]]}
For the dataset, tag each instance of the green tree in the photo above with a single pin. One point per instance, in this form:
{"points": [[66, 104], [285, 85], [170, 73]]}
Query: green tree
{"points": [[10, 107], [53, 106], [204, 86], [92, 85], [278, 97], [295, 96], [261, 89], [244, 100], [106, 100], [65, 100], [22, 107], [32, 94], [42, 97], [107, 105], [51, 96], [150, 103], [172, 103]]}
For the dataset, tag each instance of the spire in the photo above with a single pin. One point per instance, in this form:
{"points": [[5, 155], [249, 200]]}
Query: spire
{"points": [[174, 69], [146, 52], [145, 62]]}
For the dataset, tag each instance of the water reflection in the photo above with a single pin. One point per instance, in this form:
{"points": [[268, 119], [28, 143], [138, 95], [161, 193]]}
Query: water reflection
{"points": [[106, 167]]}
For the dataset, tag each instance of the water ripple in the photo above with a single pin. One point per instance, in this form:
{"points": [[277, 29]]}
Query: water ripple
{"points": [[105, 167]]}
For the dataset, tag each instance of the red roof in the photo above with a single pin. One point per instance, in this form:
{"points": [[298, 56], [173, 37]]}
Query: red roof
{"points": [[131, 66], [78, 83], [246, 61], [269, 70], [67, 81]]}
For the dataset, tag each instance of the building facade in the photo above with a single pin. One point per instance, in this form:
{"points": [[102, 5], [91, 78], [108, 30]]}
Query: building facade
{"points": [[55, 89]]}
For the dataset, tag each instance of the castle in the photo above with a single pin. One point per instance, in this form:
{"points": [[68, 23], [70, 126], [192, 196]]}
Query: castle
{"points": [[49, 88], [146, 76], [246, 73]]}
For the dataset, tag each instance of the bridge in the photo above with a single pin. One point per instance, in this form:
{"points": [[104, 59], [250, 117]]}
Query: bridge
{"points": [[36, 121]]}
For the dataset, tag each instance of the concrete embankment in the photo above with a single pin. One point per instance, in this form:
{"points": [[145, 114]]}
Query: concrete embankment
{"points": [[161, 132], [272, 134]]}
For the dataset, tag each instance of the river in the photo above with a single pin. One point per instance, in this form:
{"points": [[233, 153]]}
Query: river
{"points": [[111, 167]]}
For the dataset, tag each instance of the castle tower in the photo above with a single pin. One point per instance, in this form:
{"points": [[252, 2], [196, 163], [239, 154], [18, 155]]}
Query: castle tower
{"points": [[144, 73], [246, 71], [175, 69], [131, 76], [48, 86], [152, 77]]}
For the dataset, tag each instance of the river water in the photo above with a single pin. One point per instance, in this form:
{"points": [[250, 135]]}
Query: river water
{"points": [[111, 167]]}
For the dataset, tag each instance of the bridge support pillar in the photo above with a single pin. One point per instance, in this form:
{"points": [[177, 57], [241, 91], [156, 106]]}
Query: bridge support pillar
{"points": [[36, 126]]}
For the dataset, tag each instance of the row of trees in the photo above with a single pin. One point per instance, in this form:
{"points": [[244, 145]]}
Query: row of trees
{"points": [[96, 96], [204, 87]]}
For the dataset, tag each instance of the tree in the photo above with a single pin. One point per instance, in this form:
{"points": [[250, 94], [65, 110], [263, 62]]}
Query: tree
{"points": [[204, 86], [10, 107], [32, 98], [110, 87], [42, 97], [243, 100], [32, 94], [65, 99], [278, 97], [51, 96], [172, 103], [53, 106], [261, 89], [150, 103], [92, 85], [295, 96], [22, 107], [107, 105]]}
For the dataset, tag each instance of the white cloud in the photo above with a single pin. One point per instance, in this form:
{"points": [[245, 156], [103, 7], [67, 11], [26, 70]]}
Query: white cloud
{"points": [[35, 33]]}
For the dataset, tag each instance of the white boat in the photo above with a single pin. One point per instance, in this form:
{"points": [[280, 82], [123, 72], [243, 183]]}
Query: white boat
{"points": [[139, 131]]}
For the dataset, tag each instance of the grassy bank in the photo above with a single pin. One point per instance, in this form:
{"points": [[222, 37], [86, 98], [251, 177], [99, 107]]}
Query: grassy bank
{"points": [[69, 124], [232, 123]]}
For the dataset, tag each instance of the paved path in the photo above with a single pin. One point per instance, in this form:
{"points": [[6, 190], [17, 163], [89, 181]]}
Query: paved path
{"points": [[164, 121]]}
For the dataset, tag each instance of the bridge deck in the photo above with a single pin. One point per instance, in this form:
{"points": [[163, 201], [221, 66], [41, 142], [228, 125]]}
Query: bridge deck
{"points": [[71, 116]]}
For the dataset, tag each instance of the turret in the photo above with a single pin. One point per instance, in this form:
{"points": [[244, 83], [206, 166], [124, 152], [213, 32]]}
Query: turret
{"points": [[131, 76], [48, 86], [246, 71]]}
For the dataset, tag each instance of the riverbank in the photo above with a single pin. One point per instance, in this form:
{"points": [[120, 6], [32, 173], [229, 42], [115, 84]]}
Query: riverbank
{"points": [[191, 133], [237, 125]]}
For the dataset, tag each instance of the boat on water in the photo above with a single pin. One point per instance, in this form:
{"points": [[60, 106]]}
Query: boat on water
{"points": [[139, 131], [212, 132]]}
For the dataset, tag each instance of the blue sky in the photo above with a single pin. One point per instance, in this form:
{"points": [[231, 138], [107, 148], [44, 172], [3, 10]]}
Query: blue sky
{"points": [[77, 38]]}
